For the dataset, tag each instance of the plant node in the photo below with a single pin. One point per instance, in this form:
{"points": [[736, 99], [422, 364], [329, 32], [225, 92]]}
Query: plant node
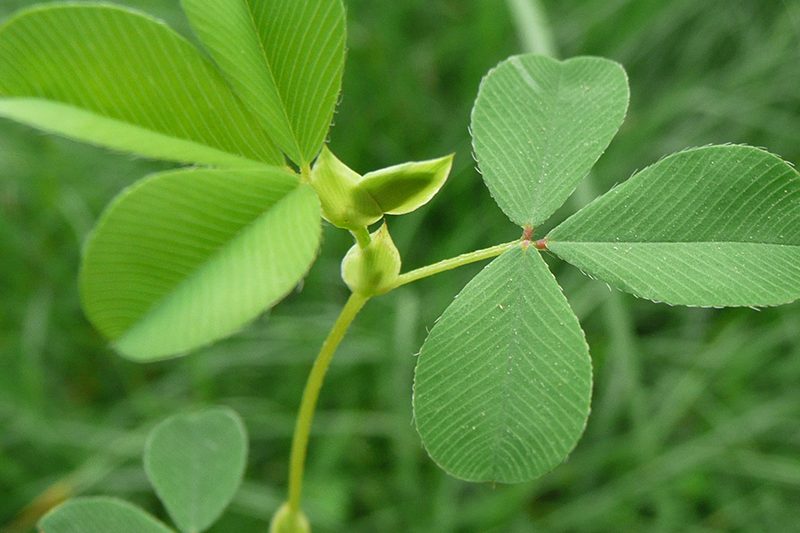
{"points": [[527, 233]]}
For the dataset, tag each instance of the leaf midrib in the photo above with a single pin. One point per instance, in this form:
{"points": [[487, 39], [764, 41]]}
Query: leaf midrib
{"points": [[554, 101], [134, 127], [663, 243], [504, 392], [268, 64]]}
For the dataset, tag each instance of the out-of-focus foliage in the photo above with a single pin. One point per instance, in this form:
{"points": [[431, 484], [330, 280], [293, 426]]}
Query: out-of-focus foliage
{"points": [[695, 414]]}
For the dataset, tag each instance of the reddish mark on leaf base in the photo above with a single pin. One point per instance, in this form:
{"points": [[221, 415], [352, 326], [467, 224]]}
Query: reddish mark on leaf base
{"points": [[527, 239], [527, 233]]}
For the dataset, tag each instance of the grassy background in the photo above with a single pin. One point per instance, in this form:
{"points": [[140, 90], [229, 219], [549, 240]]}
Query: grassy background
{"points": [[696, 415]]}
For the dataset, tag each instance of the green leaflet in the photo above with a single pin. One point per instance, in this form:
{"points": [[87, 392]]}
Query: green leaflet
{"points": [[99, 515], [539, 125], [344, 204], [717, 226], [184, 258], [285, 59], [196, 463], [352, 201], [404, 188], [120, 79], [503, 382]]}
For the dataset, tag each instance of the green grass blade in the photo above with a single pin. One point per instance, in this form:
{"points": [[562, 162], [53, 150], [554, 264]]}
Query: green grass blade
{"points": [[285, 59], [100, 515], [120, 79], [503, 382], [184, 258], [539, 125], [196, 463], [716, 226]]}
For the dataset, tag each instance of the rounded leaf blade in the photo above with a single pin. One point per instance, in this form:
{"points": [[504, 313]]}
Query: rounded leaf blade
{"points": [[717, 226], [196, 463], [99, 515], [539, 125], [124, 80], [184, 258], [503, 382]]}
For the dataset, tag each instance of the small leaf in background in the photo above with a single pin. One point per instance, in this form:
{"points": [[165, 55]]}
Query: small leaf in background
{"points": [[99, 515], [120, 79], [184, 258], [504, 380], [404, 188], [285, 59], [716, 226], [196, 463], [539, 125], [344, 204]]}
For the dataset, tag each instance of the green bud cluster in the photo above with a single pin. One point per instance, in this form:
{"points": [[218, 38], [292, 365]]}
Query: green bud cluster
{"points": [[371, 270], [353, 202]]}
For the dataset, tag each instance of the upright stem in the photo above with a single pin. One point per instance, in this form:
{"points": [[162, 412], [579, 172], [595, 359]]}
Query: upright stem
{"points": [[354, 304], [305, 174], [362, 237], [308, 404]]}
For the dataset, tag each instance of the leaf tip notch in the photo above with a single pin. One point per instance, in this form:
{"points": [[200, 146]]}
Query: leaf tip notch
{"points": [[539, 125]]}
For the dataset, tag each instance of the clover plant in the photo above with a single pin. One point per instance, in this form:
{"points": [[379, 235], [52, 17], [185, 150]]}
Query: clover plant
{"points": [[195, 462], [186, 257]]}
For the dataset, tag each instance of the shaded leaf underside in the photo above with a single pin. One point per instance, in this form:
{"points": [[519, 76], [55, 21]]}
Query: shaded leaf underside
{"points": [[120, 79], [187, 257]]}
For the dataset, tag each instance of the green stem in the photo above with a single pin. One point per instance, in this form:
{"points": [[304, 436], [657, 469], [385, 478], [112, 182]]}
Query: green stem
{"points": [[308, 404], [450, 264], [316, 378], [362, 237], [305, 174]]}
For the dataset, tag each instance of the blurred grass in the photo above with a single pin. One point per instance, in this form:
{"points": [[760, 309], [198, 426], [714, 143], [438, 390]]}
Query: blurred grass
{"points": [[696, 413]]}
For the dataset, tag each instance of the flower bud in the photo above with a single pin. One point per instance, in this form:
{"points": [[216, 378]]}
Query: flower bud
{"points": [[285, 521], [344, 204], [371, 270]]}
